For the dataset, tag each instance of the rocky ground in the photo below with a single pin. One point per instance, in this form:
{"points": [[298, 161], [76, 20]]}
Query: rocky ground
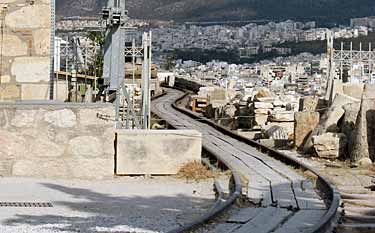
{"points": [[121, 205]]}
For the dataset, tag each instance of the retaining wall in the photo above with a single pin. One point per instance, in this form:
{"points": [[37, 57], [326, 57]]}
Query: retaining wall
{"points": [[57, 141]]}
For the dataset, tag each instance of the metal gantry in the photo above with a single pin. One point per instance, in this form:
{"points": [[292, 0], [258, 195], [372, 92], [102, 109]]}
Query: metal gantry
{"points": [[345, 59], [114, 18]]}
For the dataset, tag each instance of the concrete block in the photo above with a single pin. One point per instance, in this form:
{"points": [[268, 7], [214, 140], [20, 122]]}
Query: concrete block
{"points": [[156, 152]]}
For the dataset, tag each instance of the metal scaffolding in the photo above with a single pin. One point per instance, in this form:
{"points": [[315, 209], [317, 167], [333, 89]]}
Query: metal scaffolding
{"points": [[114, 18], [344, 59]]}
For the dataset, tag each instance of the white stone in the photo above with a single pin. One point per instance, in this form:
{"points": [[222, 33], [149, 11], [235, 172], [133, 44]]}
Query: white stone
{"points": [[260, 119], [262, 111], [42, 41], [44, 148], [24, 118], [13, 46], [34, 16], [282, 116], [5, 78], [263, 105], [31, 69], [157, 151], [64, 118], [86, 146]]}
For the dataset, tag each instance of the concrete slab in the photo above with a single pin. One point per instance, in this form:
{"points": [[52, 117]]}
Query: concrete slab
{"points": [[157, 152]]}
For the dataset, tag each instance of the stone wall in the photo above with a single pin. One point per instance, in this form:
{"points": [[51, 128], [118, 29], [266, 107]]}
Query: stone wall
{"points": [[25, 53], [57, 141]]}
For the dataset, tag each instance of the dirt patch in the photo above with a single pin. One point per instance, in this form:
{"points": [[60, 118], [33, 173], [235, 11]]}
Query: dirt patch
{"points": [[195, 171]]}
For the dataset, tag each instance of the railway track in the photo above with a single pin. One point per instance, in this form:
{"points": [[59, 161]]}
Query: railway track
{"points": [[285, 200]]}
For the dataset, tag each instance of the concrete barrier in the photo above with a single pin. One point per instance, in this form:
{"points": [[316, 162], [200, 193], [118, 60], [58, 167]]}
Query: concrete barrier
{"points": [[57, 140], [159, 152]]}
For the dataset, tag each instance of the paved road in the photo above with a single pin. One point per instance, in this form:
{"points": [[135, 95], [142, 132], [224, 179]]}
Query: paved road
{"points": [[119, 205]]}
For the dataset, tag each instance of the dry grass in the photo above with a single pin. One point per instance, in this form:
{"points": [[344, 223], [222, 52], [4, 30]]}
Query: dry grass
{"points": [[195, 170]]}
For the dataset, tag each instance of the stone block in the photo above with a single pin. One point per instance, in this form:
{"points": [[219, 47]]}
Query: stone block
{"points": [[9, 92], [14, 46], [40, 147], [5, 79], [161, 152], [86, 146], [31, 69], [304, 124], [34, 16], [330, 145], [34, 91], [262, 111], [13, 145], [24, 118], [260, 119], [349, 120], [91, 168], [364, 132], [263, 105], [92, 117], [5, 165], [42, 168], [282, 116], [263, 92], [330, 119], [64, 118], [41, 40], [308, 104]]}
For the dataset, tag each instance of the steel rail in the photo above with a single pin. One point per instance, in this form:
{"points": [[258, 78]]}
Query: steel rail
{"points": [[327, 191]]}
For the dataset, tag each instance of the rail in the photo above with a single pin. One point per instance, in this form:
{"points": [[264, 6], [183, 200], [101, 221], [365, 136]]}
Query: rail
{"points": [[327, 191]]}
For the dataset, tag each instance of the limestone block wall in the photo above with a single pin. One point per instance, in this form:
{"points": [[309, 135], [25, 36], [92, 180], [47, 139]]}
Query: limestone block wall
{"points": [[24, 49], [57, 141]]}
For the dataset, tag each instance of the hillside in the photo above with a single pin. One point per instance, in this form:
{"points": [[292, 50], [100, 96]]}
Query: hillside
{"points": [[329, 11]]}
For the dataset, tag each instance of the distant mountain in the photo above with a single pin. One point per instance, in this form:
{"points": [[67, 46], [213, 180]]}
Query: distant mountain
{"points": [[339, 11]]}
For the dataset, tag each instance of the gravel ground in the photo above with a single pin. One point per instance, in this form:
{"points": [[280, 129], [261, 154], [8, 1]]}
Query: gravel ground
{"points": [[120, 205]]}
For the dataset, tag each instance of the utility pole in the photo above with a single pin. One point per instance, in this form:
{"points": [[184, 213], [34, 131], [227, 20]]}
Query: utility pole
{"points": [[146, 79]]}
